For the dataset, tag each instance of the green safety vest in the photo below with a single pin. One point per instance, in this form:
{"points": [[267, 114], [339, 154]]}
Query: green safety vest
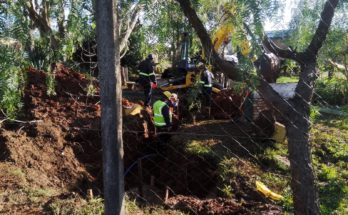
{"points": [[158, 117], [146, 74], [205, 85]]}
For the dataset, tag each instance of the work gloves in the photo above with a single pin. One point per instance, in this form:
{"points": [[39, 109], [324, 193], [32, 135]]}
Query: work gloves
{"points": [[153, 85]]}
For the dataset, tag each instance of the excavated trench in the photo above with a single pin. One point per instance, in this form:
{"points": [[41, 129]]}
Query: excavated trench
{"points": [[167, 166], [63, 150]]}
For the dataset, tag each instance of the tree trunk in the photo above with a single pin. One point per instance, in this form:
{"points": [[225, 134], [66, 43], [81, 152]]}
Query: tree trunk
{"points": [[131, 23], [42, 22], [119, 121], [111, 119], [302, 178], [298, 128], [60, 20]]}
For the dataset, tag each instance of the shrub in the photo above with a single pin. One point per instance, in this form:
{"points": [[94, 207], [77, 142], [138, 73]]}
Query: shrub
{"points": [[11, 80], [314, 113], [333, 92]]}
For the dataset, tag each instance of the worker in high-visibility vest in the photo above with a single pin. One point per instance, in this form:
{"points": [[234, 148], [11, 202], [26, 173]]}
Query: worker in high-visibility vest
{"points": [[207, 85], [162, 114], [147, 78]]}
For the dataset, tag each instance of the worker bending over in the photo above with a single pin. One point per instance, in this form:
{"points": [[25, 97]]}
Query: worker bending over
{"points": [[207, 86], [162, 111], [147, 78]]}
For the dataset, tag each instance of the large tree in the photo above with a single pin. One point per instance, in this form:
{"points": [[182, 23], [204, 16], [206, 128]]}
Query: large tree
{"points": [[111, 110], [296, 110]]}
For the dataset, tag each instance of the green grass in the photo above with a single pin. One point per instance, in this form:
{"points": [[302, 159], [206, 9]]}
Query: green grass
{"points": [[133, 208], [286, 79], [276, 158], [334, 197], [76, 206], [330, 158], [37, 195], [328, 139], [93, 206], [198, 147], [18, 173], [329, 135]]}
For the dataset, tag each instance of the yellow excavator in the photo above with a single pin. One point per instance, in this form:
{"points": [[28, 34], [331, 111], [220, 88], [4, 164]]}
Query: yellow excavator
{"points": [[185, 74]]}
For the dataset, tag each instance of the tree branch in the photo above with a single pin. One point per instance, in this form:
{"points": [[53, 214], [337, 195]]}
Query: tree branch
{"points": [[39, 21], [308, 75], [124, 51], [36, 4], [60, 20], [323, 28], [131, 23], [45, 12], [131, 10], [283, 53]]}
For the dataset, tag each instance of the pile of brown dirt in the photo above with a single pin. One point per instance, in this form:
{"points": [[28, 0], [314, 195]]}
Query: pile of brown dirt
{"points": [[221, 206], [55, 143], [70, 106], [61, 147], [54, 149]]}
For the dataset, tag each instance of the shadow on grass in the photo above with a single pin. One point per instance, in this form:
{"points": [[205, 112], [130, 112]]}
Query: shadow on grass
{"points": [[333, 197]]}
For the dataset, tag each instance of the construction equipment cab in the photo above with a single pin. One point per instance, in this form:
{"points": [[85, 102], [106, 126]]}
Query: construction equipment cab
{"points": [[185, 73]]}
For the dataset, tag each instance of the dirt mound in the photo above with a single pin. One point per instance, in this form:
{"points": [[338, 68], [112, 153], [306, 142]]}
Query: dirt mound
{"points": [[61, 146], [53, 148], [211, 206], [70, 106], [221, 206]]}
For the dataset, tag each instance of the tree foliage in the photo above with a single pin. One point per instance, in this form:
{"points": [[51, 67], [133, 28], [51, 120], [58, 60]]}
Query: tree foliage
{"points": [[303, 25], [49, 30]]}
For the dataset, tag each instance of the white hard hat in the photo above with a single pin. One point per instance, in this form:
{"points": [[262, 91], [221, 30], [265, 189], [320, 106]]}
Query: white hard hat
{"points": [[174, 96], [200, 64]]}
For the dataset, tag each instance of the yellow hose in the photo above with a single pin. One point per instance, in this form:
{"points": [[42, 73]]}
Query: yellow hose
{"points": [[267, 192]]}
